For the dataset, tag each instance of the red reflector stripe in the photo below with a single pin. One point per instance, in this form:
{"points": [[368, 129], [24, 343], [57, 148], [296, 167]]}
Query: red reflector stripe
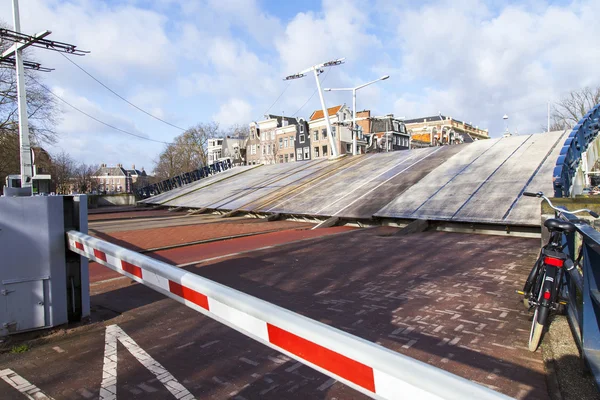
{"points": [[556, 262], [340, 365], [547, 295], [100, 255], [188, 294], [79, 246], [132, 269]]}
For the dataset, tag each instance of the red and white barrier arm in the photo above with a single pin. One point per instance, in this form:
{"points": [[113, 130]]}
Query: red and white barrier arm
{"points": [[365, 366]]}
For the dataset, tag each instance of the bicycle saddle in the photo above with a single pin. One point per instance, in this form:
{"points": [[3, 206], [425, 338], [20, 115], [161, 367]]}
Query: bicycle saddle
{"points": [[554, 224]]}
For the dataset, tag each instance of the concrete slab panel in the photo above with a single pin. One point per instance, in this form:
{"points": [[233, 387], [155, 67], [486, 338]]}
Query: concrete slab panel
{"points": [[214, 196], [449, 200], [526, 207], [386, 190], [418, 195], [323, 195], [184, 190], [299, 182], [497, 194]]}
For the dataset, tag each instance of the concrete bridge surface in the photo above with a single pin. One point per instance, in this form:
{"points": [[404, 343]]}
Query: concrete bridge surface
{"points": [[479, 182]]}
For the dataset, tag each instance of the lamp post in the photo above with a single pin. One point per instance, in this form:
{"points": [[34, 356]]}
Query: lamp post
{"points": [[318, 69], [354, 130]]}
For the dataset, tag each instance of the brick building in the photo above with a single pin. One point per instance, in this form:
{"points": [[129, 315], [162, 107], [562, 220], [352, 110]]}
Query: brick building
{"points": [[340, 118], [118, 179], [441, 130]]}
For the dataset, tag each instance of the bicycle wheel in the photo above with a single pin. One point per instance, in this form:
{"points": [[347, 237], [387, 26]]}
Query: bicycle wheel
{"points": [[537, 328]]}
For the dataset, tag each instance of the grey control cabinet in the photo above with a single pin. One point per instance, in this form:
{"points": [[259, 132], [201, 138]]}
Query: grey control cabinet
{"points": [[36, 287]]}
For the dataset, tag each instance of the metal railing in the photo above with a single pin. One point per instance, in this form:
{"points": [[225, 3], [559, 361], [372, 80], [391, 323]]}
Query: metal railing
{"points": [[371, 369], [183, 179], [576, 144], [583, 296]]}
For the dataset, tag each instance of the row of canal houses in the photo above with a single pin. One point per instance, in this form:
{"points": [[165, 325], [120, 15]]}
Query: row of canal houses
{"points": [[280, 139]]}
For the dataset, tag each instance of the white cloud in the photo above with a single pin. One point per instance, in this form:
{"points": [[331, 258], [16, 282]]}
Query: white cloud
{"points": [[485, 64], [235, 111], [191, 61], [340, 31]]}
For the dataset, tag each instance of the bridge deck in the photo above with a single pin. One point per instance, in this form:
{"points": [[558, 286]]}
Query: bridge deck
{"points": [[478, 182]]}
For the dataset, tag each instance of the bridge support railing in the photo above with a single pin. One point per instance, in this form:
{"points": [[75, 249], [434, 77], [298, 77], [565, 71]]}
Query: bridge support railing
{"points": [[582, 290], [365, 366], [568, 176]]}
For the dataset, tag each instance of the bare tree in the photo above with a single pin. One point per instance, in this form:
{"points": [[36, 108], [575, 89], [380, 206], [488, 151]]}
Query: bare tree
{"points": [[567, 112], [63, 172], [83, 178], [238, 131], [187, 152]]}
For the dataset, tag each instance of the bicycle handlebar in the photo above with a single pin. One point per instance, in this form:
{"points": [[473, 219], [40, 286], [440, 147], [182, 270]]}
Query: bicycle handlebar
{"points": [[560, 210]]}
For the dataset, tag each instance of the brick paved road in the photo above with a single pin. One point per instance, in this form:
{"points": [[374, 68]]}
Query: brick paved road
{"points": [[443, 298]]}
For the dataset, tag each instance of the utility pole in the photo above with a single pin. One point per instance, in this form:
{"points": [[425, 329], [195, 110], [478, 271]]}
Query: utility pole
{"points": [[354, 89], [25, 147], [317, 70], [22, 41]]}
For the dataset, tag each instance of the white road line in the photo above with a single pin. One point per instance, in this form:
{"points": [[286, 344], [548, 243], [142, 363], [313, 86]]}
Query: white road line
{"points": [[108, 387], [30, 391], [387, 180], [396, 165]]}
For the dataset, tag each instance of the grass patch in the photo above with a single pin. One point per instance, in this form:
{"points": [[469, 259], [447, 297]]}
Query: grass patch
{"points": [[22, 348]]}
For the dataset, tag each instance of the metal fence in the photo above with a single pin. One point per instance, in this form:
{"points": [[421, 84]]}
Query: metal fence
{"points": [[183, 179], [583, 309], [571, 154]]}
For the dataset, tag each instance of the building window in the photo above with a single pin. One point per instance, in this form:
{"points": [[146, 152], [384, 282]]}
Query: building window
{"points": [[286, 157], [316, 135], [272, 135], [280, 159], [301, 128], [302, 139], [348, 148], [281, 143], [307, 153], [324, 133], [273, 148], [285, 143], [263, 150], [291, 156], [316, 150], [299, 154], [325, 154]]}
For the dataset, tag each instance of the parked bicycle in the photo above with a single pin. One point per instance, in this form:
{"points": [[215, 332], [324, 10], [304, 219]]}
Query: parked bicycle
{"points": [[543, 290]]}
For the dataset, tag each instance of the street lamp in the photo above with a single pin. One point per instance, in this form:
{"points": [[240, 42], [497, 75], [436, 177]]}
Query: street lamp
{"points": [[318, 69], [354, 130]]}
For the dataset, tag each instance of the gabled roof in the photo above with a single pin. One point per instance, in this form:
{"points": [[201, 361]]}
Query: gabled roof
{"points": [[110, 171], [290, 120], [137, 172], [318, 114]]}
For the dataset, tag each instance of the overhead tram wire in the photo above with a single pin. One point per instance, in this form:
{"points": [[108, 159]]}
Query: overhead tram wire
{"points": [[123, 98], [312, 95], [277, 99], [96, 119]]}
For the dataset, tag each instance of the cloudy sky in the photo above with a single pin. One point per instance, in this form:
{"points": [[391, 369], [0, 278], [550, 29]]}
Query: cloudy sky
{"points": [[190, 61]]}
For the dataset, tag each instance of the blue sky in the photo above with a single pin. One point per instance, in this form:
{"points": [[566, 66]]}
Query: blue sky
{"points": [[224, 60]]}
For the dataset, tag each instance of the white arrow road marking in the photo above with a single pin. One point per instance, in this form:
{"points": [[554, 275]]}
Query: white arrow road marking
{"points": [[30, 391], [108, 387]]}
